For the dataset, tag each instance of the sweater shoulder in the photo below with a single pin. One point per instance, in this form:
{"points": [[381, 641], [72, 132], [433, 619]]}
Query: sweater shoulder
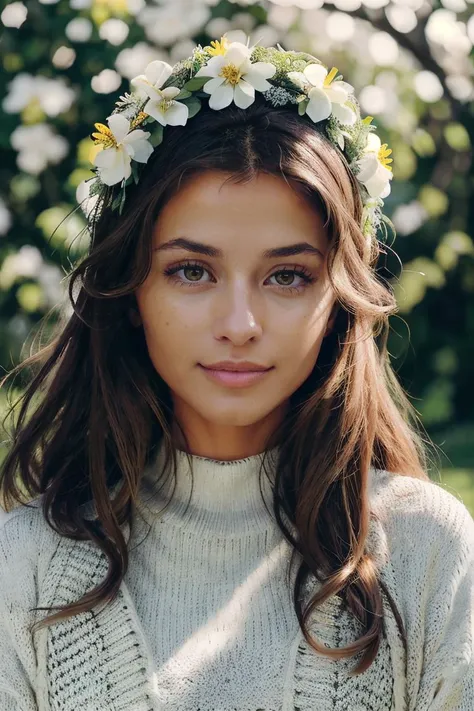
{"points": [[424, 517], [27, 544]]}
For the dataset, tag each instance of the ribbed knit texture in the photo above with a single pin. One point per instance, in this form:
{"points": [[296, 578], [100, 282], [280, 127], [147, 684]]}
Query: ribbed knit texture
{"points": [[204, 620]]}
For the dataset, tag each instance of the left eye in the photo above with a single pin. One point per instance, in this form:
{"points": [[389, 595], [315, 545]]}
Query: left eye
{"points": [[196, 267]]}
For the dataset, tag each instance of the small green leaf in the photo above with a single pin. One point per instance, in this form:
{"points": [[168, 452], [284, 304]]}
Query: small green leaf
{"points": [[183, 94], [135, 172], [368, 120], [196, 83], [193, 104], [157, 136]]}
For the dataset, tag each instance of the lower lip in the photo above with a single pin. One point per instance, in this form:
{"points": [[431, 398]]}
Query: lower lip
{"points": [[236, 379]]}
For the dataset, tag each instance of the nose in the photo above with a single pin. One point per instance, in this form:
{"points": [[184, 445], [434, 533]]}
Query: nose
{"points": [[236, 318]]}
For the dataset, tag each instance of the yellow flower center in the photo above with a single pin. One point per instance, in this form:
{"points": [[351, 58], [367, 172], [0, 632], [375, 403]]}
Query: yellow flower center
{"points": [[104, 137], [219, 47], [231, 74], [332, 74], [383, 154]]}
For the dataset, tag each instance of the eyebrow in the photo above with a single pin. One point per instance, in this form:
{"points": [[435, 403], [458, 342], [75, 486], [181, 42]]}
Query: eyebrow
{"points": [[209, 251]]}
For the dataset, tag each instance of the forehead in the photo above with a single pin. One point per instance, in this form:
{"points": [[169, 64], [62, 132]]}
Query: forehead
{"points": [[265, 209]]}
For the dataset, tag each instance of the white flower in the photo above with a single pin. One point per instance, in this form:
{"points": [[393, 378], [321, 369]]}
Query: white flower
{"points": [[326, 96], [234, 77], [161, 105], [375, 172], [5, 218], [120, 146], [38, 146], [53, 95]]}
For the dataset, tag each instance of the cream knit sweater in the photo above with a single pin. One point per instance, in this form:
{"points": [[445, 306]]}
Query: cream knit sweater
{"points": [[204, 619]]}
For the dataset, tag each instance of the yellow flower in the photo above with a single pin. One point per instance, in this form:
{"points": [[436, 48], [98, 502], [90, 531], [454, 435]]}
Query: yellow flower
{"points": [[218, 47]]}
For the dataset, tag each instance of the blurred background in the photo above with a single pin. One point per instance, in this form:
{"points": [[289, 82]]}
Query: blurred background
{"points": [[64, 63]]}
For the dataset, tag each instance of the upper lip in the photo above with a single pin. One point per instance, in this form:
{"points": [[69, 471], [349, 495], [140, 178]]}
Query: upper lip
{"points": [[235, 365]]}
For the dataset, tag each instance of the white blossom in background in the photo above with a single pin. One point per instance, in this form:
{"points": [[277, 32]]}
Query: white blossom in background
{"points": [[107, 81], [265, 36], [134, 6], [171, 22], [409, 218], [50, 279], [53, 95], [79, 29], [14, 14], [181, 50], [428, 86], [38, 146], [25, 263], [114, 31], [132, 61], [80, 4], [64, 57], [49, 2], [5, 218]]}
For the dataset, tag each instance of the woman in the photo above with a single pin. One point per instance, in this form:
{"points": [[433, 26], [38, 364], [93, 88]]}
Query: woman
{"points": [[229, 505]]}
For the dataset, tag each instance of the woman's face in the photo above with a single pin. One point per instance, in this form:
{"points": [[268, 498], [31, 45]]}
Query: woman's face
{"points": [[236, 304]]}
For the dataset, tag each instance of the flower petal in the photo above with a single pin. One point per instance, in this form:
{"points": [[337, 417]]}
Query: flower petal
{"points": [[244, 94], [158, 72], [316, 74], [367, 167], [344, 114], [119, 125], [319, 107], [373, 143], [177, 114], [142, 151], [155, 109], [170, 92], [105, 158], [258, 79], [336, 94], [213, 67], [119, 170], [237, 54], [221, 97], [211, 85]]}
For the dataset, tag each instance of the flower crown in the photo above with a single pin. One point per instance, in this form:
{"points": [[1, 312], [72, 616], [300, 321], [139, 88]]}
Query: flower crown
{"points": [[227, 72]]}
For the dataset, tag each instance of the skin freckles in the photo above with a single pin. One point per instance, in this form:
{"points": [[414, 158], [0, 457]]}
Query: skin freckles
{"points": [[241, 306]]}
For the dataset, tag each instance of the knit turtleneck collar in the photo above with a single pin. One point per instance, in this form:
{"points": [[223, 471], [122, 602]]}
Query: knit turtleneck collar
{"points": [[219, 497]]}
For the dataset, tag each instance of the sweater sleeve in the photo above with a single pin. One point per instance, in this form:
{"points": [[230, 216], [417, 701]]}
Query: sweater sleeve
{"points": [[17, 596], [445, 629]]}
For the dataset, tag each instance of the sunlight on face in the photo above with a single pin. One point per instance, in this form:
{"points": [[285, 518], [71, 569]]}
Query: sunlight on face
{"points": [[236, 304]]}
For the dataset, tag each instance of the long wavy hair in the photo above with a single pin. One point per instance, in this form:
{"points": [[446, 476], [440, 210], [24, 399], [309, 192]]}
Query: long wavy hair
{"points": [[95, 410]]}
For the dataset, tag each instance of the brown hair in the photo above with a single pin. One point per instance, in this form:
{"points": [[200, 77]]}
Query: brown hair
{"points": [[101, 409]]}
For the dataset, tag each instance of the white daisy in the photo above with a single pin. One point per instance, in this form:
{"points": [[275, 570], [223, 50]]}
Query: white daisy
{"points": [[161, 105], [234, 77], [120, 145], [375, 170], [326, 96]]}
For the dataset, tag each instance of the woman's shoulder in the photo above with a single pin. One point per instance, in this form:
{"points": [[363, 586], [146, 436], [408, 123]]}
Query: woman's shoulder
{"points": [[27, 543], [423, 521]]}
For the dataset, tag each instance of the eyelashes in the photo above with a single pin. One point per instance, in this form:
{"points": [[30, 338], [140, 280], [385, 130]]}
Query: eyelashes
{"points": [[297, 270]]}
